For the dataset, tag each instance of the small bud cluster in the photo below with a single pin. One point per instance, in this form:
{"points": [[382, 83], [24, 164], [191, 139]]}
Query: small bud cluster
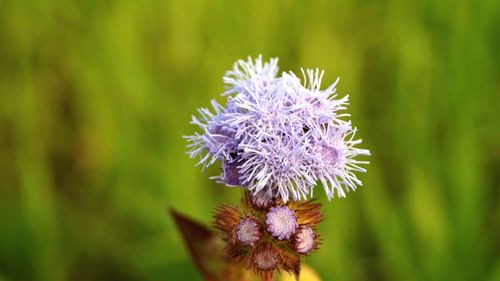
{"points": [[267, 234]]}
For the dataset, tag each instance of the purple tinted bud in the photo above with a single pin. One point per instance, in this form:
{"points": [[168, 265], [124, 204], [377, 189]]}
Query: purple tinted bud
{"points": [[248, 231], [261, 200], [281, 222], [304, 240], [265, 258]]}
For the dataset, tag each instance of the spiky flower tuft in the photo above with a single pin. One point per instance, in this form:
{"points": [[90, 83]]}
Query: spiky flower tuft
{"points": [[279, 135]]}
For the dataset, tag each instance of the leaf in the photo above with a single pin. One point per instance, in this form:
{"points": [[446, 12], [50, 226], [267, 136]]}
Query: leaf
{"points": [[206, 250]]}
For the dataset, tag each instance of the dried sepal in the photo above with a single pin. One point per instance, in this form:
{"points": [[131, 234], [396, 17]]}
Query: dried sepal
{"points": [[290, 262], [226, 218], [266, 275], [236, 252], [307, 212]]}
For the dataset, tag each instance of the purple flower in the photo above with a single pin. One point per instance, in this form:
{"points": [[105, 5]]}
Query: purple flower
{"points": [[336, 160], [279, 135]]}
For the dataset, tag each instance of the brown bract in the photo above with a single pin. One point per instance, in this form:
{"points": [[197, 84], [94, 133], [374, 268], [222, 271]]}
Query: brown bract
{"points": [[226, 217], [307, 212]]}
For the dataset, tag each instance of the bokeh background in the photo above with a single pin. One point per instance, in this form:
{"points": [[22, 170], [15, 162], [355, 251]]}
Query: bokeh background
{"points": [[96, 95]]}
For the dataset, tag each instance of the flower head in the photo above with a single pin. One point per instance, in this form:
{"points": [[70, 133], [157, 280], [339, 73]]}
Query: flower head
{"points": [[304, 240], [281, 222], [265, 258], [279, 135], [248, 231]]}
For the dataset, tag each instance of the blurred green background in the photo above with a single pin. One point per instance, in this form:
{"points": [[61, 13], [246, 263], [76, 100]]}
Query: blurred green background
{"points": [[96, 95]]}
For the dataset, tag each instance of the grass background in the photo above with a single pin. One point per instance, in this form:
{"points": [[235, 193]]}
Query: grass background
{"points": [[95, 96]]}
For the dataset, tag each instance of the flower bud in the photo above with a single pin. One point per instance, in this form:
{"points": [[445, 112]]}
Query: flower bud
{"points": [[248, 231], [304, 240], [265, 258], [261, 200], [281, 222]]}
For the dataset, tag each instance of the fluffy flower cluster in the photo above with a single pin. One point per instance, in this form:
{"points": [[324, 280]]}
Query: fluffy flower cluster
{"points": [[279, 136]]}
